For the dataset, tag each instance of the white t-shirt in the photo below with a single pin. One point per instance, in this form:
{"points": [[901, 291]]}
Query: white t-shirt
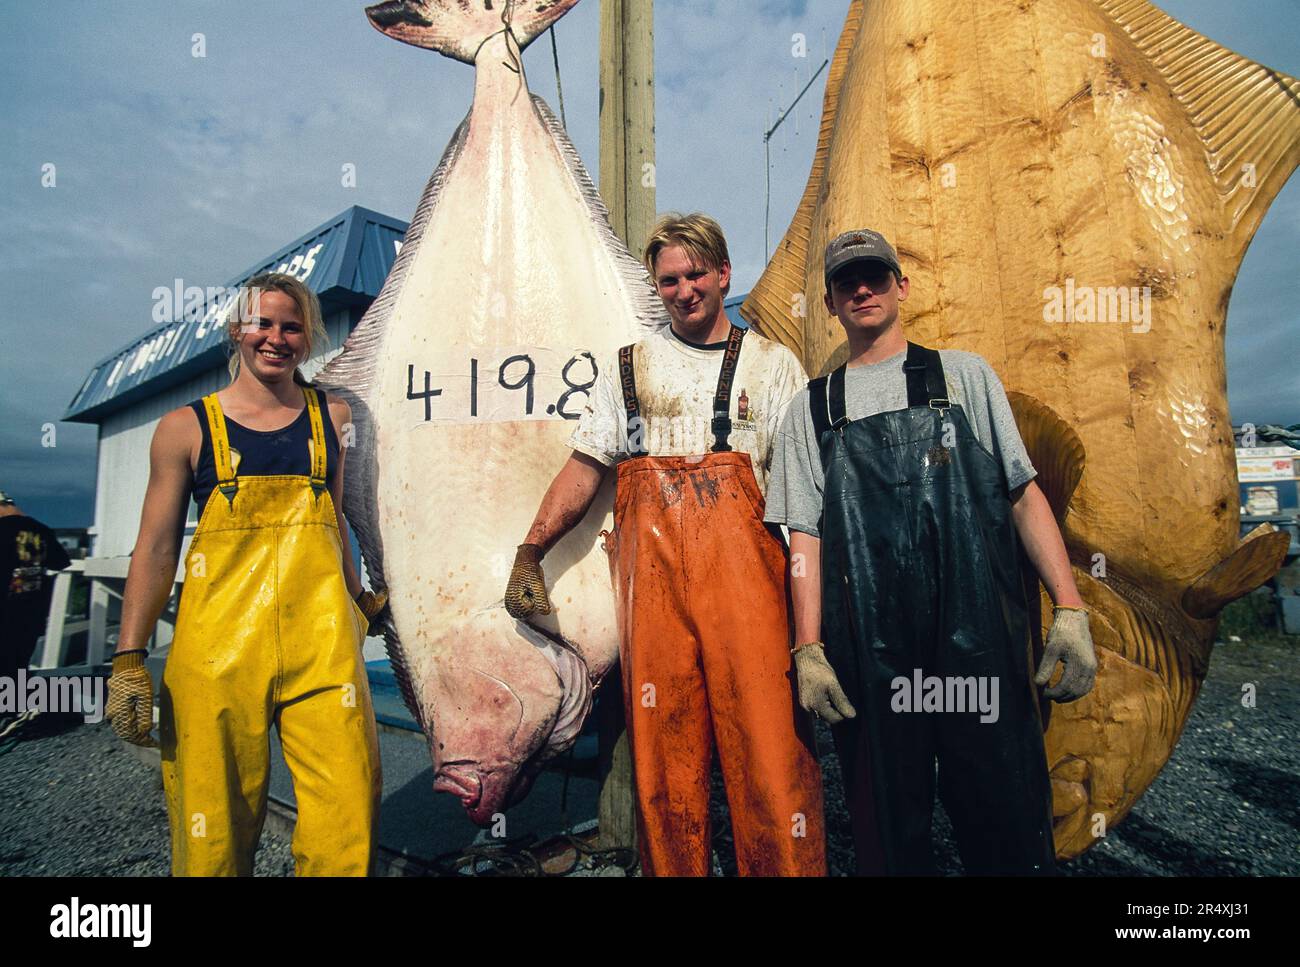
{"points": [[675, 383]]}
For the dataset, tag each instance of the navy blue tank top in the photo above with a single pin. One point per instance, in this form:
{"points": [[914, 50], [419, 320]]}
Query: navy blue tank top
{"points": [[265, 453]]}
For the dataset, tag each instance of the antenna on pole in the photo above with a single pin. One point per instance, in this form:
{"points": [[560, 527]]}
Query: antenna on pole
{"points": [[767, 153]]}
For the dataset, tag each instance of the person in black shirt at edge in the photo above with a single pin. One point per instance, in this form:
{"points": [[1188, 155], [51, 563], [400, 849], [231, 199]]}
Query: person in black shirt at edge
{"points": [[27, 550]]}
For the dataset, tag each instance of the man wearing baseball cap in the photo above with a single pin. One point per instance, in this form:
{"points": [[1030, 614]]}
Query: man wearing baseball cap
{"points": [[906, 487]]}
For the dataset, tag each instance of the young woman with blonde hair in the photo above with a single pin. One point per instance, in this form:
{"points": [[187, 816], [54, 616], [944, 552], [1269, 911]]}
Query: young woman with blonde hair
{"points": [[272, 615]]}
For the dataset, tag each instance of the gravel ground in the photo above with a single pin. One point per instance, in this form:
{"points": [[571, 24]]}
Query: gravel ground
{"points": [[1226, 804], [1228, 801], [74, 801]]}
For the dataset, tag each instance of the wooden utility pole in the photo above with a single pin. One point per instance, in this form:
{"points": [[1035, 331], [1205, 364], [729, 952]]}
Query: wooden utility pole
{"points": [[627, 118], [627, 183]]}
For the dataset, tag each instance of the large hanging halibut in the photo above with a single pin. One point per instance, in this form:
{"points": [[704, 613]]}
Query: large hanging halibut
{"points": [[464, 377]]}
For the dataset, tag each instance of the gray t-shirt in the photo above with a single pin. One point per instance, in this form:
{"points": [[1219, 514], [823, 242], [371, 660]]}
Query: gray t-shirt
{"points": [[796, 482]]}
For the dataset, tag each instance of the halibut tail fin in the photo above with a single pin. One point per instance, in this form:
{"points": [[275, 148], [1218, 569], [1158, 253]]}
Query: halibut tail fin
{"points": [[457, 28], [1247, 115]]}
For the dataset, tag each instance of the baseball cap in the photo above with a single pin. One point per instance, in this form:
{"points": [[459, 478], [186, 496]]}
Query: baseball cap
{"points": [[862, 245]]}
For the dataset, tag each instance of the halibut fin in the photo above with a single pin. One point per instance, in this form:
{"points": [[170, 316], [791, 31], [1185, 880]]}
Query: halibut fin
{"points": [[633, 275], [1256, 559], [457, 28], [351, 375], [1247, 115]]}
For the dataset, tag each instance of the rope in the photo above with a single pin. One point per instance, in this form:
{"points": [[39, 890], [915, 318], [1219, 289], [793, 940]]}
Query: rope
{"points": [[559, 87], [515, 858], [8, 739], [18, 721]]}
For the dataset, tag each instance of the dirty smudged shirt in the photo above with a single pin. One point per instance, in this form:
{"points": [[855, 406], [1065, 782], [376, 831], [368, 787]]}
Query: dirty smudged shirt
{"points": [[675, 383], [795, 497]]}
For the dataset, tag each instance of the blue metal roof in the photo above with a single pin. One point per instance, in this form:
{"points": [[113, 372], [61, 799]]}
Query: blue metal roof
{"points": [[731, 306], [344, 261]]}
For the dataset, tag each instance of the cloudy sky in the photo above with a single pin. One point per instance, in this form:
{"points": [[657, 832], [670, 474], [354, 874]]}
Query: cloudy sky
{"points": [[173, 166]]}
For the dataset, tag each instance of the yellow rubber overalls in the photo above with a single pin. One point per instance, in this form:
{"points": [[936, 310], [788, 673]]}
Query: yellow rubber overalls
{"points": [[267, 633]]}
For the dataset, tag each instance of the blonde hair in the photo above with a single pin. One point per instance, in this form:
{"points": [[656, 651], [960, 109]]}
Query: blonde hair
{"points": [[697, 234], [244, 309]]}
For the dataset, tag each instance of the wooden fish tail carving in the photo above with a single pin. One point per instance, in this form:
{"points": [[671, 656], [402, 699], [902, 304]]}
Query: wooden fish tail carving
{"points": [[1071, 186]]}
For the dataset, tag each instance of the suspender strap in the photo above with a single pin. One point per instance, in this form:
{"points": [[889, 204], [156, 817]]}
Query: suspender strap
{"points": [[826, 398], [926, 385], [318, 455], [817, 404], [835, 399], [226, 482], [631, 405], [722, 398]]}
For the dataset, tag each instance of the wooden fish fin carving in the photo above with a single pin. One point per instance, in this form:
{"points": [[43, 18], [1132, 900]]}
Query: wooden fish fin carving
{"points": [[1256, 559], [770, 307], [1057, 454], [1054, 449], [1248, 115]]}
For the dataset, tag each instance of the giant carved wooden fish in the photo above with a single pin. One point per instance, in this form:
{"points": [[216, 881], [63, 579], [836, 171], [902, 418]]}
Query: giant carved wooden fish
{"points": [[1041, 164], [464, 377]]}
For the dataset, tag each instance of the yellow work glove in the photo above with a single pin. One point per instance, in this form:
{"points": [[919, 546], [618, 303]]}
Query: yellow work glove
{"points": [[526, 589], [129, 708], [1070, 642], [819, 689], [371, 605]]}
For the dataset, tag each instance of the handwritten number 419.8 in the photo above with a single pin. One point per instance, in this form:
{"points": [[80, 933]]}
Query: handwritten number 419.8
{"points": [[519, 372]]}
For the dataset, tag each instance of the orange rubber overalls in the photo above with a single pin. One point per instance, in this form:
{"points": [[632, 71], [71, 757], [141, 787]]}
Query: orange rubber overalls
{"points": [[267, 633], [704, 638]]}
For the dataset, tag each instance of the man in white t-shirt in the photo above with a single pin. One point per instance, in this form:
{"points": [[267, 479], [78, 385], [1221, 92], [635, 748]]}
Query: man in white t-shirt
{"points": [[690, 416]]}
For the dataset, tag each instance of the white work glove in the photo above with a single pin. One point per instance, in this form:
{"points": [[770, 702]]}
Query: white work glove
{"points": [[819, 689], [1070, 642]]}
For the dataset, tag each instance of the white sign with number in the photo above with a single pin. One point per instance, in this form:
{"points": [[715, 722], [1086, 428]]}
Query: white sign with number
{"points": [[499, 385]]}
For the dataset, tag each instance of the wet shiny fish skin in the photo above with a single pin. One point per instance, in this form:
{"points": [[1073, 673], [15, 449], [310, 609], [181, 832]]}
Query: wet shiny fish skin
{"points": [[509, 291]]}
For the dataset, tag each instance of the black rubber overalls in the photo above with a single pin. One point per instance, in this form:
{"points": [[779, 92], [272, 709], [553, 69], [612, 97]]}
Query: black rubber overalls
{"points": [[920, 571]]}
